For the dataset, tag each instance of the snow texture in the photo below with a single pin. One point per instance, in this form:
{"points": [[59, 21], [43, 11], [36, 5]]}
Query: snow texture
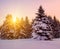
{"points": [[41, 29], [29, 44]]}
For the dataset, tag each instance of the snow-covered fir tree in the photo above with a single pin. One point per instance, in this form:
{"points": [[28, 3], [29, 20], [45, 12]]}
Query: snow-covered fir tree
{"points": [[41, 26]]}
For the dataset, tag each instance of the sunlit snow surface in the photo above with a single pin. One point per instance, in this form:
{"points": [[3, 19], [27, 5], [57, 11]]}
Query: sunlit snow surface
{"points": [[29, 44]]}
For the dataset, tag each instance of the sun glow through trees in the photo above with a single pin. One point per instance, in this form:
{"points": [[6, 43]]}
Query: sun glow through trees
{"points": [[14, 19]]}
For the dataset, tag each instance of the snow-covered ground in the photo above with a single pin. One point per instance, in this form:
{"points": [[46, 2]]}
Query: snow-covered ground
{"points": [[29, 44]]}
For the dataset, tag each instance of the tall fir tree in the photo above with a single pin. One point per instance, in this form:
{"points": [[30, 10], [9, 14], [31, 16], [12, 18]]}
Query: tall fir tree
{"points": [[5, 34], [41, 26], [26, 28]]}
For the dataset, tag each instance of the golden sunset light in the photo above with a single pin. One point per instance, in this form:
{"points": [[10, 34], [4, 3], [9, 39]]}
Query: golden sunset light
{"points": [[14, 18]]}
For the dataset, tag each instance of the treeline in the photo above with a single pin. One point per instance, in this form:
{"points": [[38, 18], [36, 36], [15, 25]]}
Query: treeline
{"points": [[15, 30], [22, 28]]}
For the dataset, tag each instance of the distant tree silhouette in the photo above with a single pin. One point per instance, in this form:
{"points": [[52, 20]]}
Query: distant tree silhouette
{"points": [[56, 28]]}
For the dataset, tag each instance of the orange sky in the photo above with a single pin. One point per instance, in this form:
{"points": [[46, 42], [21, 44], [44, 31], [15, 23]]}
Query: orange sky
{"points": [[22, 8]]}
